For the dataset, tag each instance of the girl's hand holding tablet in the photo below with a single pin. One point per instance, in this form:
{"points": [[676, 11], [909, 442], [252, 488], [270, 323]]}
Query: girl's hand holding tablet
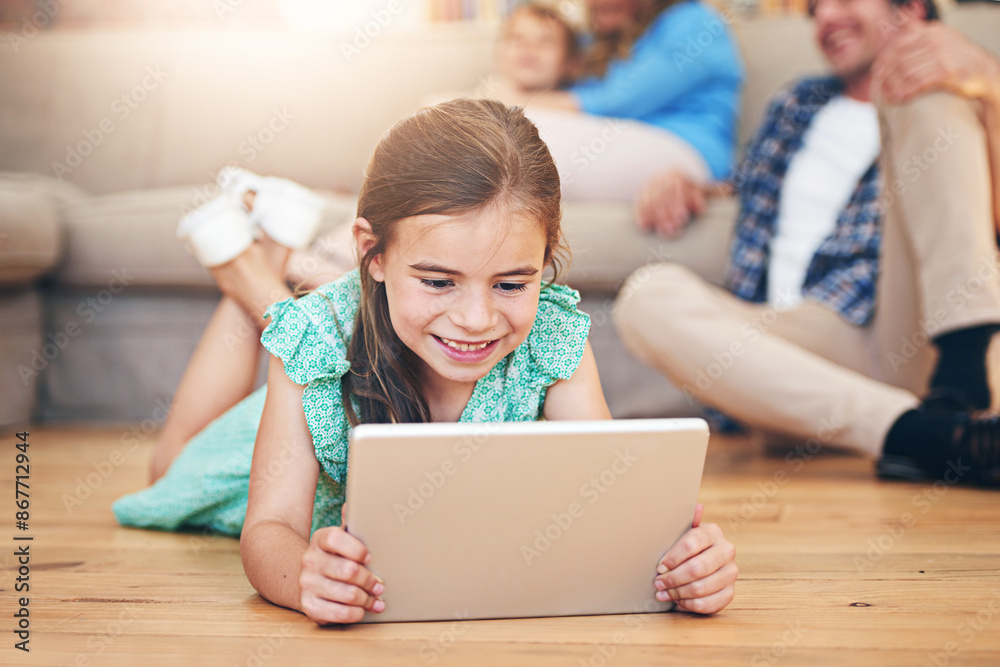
{"points": [[699, 572], [335, 585]]}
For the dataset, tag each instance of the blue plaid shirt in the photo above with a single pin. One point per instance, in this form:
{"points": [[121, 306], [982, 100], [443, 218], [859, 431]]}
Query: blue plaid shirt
{"points": [[843, 271]]}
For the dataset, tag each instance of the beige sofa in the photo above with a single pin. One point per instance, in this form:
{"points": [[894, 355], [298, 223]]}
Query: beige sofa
{"points": [[107, 136]]}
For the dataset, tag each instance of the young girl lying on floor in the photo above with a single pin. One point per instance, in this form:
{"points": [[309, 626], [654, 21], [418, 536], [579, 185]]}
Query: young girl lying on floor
{"points": [[447, 319]]}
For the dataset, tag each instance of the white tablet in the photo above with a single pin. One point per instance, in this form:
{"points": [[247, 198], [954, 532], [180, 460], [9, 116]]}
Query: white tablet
{"points": [[505, 520]]}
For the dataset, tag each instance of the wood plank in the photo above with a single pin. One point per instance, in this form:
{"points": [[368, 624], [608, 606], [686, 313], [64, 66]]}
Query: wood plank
{"points": [[836, 568]]}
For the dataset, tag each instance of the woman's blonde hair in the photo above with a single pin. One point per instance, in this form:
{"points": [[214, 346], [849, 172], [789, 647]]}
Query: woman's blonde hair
{"points": [[608, 47]]}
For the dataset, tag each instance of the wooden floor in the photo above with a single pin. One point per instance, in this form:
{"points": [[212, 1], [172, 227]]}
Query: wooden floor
{"points": [[837, 569]]}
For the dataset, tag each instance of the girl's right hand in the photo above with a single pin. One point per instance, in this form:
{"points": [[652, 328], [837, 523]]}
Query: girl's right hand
{"points": [[335, 585]]}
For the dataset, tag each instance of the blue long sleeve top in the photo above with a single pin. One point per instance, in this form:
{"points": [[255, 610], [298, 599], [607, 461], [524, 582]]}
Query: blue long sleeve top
{"points": [[684, 75]]}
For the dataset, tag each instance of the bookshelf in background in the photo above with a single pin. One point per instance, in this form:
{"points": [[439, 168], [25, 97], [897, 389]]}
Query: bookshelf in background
{"points": [[468, 11], [495, 11], [782, 7], [762, 8]]}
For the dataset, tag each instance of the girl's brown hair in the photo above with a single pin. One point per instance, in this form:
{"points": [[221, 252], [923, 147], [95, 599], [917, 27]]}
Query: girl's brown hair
{"points": [[455, 158], [618, 45]]}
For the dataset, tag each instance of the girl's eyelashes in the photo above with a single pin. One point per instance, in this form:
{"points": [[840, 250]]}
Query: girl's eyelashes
{"points": [[440, 283], [445, 283], [512, 287]]}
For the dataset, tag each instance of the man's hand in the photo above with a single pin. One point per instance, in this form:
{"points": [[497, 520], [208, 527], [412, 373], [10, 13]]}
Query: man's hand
{"points": [[668, 202], [925, 57]]}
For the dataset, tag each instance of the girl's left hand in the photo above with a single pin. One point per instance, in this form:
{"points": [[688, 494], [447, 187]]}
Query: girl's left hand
{"points": [[699, 572]]}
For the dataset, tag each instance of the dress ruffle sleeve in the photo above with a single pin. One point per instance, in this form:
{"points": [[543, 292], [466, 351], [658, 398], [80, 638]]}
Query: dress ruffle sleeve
{"points": [[308, 335], [559, 335]]}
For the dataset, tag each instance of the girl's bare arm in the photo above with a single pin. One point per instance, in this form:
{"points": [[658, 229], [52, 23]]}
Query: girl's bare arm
{"points": [[323, 575], [282, 490], [579, 397]]}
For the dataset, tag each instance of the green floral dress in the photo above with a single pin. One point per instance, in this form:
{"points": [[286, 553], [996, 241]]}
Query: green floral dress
{"points": [[206, 486]]}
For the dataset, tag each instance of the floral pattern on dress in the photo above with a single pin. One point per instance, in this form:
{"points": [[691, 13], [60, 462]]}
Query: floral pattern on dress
{"points": [[310, 335]]}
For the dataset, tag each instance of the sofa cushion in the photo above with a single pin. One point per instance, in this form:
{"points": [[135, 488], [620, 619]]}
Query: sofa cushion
{"points": [[607, 246], [133, 233], [131, 237], [30, 229]]}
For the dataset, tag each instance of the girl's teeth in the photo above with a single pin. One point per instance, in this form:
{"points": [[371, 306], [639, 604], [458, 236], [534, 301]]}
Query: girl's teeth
{"points": [[464, 347]]}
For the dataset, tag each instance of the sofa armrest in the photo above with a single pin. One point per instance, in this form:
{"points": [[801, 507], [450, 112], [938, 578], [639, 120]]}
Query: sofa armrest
{"points": [[30, 232]]}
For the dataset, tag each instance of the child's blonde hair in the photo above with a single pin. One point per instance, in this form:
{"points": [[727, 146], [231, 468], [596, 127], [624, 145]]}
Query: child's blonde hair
{"points": [[547, 13]]}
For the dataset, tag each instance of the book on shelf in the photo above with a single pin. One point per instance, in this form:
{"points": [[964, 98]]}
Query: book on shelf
{"points": [[468, 11]]}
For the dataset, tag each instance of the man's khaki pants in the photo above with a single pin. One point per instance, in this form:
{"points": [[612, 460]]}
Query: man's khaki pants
{"points": [[806, 372]]}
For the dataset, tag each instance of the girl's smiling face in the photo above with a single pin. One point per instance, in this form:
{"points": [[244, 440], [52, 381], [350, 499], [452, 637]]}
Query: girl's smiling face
{"points": [[462, 290]]}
